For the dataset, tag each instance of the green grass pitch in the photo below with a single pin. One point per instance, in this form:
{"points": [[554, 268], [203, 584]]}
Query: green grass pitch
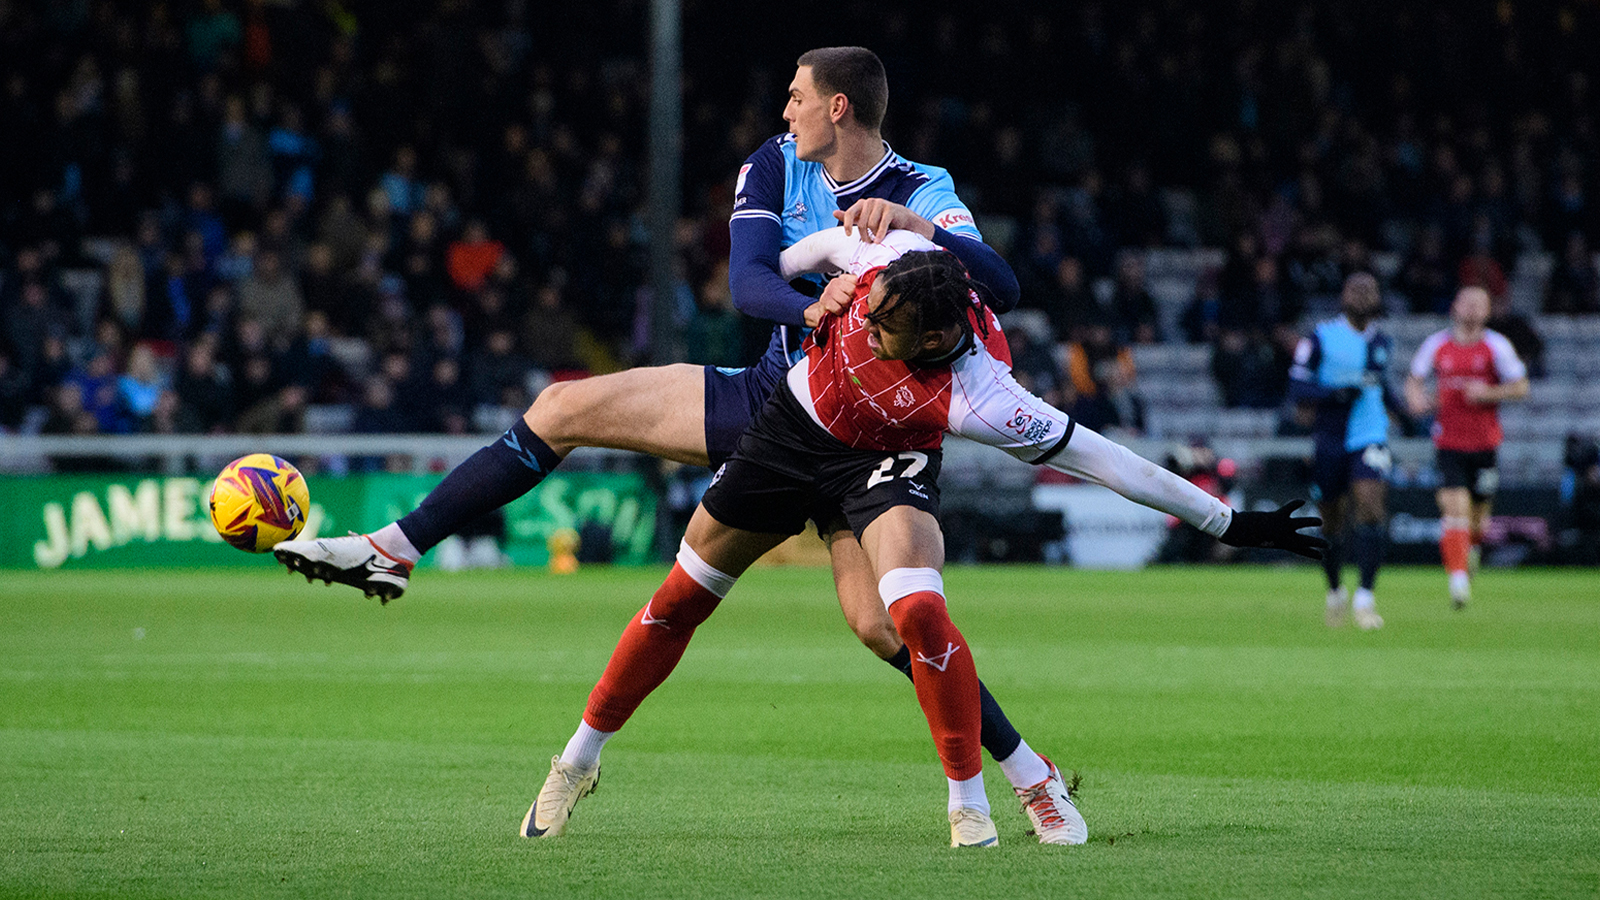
{"points": [[242, 734]]}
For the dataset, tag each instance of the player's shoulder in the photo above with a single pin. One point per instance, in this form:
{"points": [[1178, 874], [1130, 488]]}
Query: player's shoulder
{"points": [[930, 191], [775, 151], [1433, 343], [1498, 342]]}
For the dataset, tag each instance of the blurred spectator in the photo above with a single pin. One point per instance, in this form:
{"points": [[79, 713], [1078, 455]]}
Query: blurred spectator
{"points": [[1479, 268], [714, 335], [1133, 309], [14, 394], [498, 371], [473, 256], [281, 412], [1519, 331], [1425, 278], [125, 289], [1249, 369], [1575, 284], [140, 387], [551, 333], [1580, 501], [205, 387], [1198, 463], [1033, 363], [271, 297], [445, 403], [1102, 375], [96, 382]]}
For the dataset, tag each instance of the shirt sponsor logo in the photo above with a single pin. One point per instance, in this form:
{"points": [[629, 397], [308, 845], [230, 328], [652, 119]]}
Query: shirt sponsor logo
{"points": [[903, 397], [950, 218], [738, 187], [1032, 430]]}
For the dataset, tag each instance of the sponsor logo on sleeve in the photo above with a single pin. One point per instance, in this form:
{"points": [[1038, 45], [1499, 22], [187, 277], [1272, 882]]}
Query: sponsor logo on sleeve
{"points": [[950, 218], [1029, 427], [738, 187]]}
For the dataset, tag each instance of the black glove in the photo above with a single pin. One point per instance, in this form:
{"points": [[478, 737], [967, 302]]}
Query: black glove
{"points": [[1275, 530]]}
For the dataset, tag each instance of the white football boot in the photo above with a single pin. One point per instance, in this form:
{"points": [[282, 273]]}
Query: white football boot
{"points": [[354, 560], [1338, 611], [563, 788], [972, 828], [1049, 807]]}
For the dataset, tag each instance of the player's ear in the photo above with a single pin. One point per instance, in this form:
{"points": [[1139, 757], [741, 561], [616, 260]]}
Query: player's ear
{"points": [[838, 108]]}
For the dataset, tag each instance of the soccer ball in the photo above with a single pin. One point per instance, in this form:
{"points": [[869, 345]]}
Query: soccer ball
{"points": [[259, 500]]}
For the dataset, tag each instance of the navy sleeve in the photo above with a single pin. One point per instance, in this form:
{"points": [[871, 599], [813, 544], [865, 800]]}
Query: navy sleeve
{"points": [[755, 234], [1304, 387], [994, 277], [758, 289]]}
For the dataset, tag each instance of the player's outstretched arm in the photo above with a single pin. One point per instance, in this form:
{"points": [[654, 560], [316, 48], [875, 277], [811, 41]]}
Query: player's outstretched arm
{"points": [[1094, 458], [998, 411]]}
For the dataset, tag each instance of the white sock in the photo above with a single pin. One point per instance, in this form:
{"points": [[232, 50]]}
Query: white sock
{"points": [[391, 540], [1363, 599], [1460, 583], [583, 750], [968, 794], [1024, 768]]}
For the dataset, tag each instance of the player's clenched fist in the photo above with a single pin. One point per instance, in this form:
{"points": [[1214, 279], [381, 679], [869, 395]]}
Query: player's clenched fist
{"points": [[875, 216], [835, 299]]}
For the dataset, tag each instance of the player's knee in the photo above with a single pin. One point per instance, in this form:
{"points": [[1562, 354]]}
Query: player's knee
{"points": [[552, 412], [680, 611], [879, 636], [920, 618]]}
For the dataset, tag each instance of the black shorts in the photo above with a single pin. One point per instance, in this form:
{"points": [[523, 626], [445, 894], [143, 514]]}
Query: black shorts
{"points": [[787, 469], [1475, 470]]}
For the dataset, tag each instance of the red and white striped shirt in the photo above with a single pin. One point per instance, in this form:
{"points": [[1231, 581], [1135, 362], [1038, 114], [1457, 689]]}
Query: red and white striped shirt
{"points": [[1461, 424], [878, 404], [896, 406]]}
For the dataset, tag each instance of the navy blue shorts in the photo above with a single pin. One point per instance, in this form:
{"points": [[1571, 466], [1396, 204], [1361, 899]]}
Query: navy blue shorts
{"points": [[733, 397], [1334, 470]]}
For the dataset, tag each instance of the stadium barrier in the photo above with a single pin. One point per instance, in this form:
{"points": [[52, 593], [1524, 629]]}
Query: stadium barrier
{"points": [[160, 519], [106, 521]]}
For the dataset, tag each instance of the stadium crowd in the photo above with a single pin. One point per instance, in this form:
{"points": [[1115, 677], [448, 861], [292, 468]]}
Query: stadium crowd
{"points": [[215, 215]]}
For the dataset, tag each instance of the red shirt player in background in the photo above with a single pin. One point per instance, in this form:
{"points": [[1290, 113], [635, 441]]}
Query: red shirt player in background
{"points": [[1476, 370]]}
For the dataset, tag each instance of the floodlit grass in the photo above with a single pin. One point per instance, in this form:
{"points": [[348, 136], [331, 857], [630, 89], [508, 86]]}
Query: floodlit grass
{"points": [[240, 734]]}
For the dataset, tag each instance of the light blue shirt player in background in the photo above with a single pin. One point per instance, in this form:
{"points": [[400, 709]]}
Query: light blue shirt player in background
{"points": [[1339, 378]]}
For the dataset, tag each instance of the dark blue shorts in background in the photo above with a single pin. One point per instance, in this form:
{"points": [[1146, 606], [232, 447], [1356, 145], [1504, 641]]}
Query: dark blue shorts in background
{"points": [[1334, 470], [733, 397]]}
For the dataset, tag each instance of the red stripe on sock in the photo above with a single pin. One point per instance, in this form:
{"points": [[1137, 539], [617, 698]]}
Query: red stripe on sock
{"points": [[649, 649], [946, 680]]}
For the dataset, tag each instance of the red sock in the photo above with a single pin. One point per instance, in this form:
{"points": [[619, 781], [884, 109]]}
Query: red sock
{"points": [[649, 650], [946, 680], [1453, 546]]}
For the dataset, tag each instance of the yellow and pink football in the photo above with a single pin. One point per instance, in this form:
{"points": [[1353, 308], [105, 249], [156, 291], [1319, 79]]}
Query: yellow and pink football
{"points": [[259, 500]]}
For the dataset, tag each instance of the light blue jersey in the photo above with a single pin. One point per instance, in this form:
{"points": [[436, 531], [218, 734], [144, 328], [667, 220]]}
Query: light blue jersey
{"points": [[1337, 357], [801, 197]]}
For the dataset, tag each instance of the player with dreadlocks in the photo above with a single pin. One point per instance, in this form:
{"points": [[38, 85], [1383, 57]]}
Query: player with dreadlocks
{"points": [[852, 438]]}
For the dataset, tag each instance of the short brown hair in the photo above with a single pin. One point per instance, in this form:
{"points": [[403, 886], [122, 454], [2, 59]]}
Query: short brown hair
{"points": [[855, 72]]}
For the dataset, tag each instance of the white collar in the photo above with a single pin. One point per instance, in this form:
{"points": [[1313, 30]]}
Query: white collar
{"points": [[888, 159]]}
